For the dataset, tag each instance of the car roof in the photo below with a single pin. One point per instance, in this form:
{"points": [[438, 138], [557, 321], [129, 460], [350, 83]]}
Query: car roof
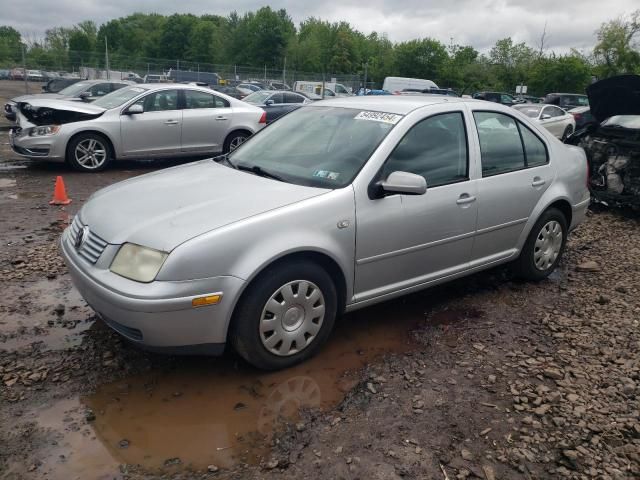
{"points": [[398, 104], [571, 94]]}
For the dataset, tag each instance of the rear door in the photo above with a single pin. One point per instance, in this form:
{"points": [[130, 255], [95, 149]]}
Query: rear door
{"points": [[157, 131], [206, 120], [515, 174]]}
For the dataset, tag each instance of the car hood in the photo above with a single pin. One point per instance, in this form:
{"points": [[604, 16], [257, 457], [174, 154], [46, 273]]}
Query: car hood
{"points": [[163, 209], [50, 111], [27, 98], [615, 96]]}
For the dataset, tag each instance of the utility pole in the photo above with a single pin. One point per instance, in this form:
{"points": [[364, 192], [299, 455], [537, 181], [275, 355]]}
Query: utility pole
{"points": [[178, 70], [24, 71], [284, 71], [106, 58], [366, 66]]}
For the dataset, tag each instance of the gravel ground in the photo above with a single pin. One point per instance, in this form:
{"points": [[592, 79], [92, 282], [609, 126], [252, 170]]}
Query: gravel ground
{"points": [[503, 379]]}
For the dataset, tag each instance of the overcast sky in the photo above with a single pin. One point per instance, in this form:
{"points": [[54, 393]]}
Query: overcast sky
{"points": [[475, 22]]}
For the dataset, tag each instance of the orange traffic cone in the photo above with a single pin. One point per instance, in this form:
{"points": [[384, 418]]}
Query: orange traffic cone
{"points": [[59, 193]]}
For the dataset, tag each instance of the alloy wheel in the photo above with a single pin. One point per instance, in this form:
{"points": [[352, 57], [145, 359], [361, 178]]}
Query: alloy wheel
{"points": [[236, 142], [90, 153]]}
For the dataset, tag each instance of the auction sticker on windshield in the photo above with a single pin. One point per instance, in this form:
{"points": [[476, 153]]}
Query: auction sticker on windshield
{"points": [[383, 117]]}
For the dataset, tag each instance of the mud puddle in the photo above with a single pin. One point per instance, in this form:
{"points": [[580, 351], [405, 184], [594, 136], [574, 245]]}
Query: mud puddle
{"points": [[50, 313], [214, 411]]}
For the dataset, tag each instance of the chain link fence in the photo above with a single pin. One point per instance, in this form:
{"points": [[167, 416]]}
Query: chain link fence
{"points": [[92, 65]]}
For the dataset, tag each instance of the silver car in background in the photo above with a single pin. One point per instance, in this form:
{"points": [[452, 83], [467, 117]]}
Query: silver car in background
{"points": [[334, 207], [142, 121]]}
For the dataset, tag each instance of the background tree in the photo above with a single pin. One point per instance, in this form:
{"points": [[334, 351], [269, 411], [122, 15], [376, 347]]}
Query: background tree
{"points": [[616, 51]]}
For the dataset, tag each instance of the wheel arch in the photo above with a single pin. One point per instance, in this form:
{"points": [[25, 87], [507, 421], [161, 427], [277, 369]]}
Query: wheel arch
{"points": [[104, 135]]}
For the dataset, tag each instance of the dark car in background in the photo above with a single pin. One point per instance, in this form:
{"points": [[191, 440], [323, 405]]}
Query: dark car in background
{"points": [[440, 91], [56, 84], [567, 100], [583, 117], [231, 91], [84, 91], [497, 97], [612, 144], [276, 102]]}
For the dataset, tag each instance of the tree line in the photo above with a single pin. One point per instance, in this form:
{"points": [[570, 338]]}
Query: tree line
{"points": [[269, 38]]}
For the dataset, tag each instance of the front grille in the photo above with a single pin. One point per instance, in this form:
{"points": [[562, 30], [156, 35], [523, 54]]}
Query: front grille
{"points": [[92, 246]]}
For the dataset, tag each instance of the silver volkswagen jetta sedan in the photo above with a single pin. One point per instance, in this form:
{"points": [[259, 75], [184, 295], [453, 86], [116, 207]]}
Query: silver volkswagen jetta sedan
{"points": [[336, 206], [142, 121]]}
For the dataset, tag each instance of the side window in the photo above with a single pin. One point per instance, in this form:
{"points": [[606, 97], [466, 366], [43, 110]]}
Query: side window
{"points": [[435, 148], [99, 89], [506, 98], [557, 112], [534, 148], [195, 99], [221, 102], [500, 145], [277, 98], [292, 98], [118, 86], [160, 101]]}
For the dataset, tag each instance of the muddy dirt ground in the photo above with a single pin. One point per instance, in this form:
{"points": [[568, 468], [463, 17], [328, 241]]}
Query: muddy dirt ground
{"points": [[482, 378]]}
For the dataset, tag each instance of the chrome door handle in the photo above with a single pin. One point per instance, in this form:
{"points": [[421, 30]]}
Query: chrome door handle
{"points": [[171, 122], [220, 117], [538, 182], [465, 198]]}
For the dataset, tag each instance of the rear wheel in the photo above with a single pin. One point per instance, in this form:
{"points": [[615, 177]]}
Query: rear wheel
{"points": [[88, 152], [234, 140], [285, 316], [544, 246], [567, 131]]}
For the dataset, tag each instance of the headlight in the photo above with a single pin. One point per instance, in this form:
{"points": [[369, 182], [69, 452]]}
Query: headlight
{"points": [[138, 263], [45, 130]]}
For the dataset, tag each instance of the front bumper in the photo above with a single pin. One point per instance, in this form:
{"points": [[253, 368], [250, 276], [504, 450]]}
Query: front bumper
{"points": [[157, 315], [46, 147]]}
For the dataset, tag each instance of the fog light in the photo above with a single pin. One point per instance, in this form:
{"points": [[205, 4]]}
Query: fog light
{"points": [[208, 300]]}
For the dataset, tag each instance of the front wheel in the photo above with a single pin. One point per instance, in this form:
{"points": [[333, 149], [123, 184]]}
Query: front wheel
{"points": [[88, 152], [544, 246], [284, 317]]}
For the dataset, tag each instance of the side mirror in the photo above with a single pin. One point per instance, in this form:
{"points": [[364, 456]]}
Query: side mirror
{"points": [[545, 116], [269, 102], [134, 110], [404, 183], [85, 95]]}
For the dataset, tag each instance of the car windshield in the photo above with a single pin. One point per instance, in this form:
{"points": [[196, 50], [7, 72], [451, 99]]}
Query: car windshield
{"points": [[75, 89], [529, 110], [119, 97], [623, 121], [258, 98], [322, 147]]}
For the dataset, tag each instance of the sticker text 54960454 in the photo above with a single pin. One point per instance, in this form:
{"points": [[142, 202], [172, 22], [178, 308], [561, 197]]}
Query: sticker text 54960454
{"points": [[383, 117]]}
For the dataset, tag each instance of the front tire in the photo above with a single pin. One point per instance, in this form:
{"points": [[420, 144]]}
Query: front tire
{"points": [[544, 246], [88, 152], [285, 315]]}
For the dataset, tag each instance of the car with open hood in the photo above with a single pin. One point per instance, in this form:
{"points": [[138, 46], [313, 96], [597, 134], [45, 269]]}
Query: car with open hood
{"points": [[142, 121], [83, 91], [336, 206], [612, 144]]}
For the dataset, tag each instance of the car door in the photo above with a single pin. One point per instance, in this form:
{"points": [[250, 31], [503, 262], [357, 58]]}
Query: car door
{"points": [[156, 131], [206, 120], [406, 240], [274, 106], [515, 174], [552, 119]]}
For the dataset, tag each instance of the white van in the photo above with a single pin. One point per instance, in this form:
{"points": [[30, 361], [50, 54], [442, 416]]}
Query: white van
{"points": [[398, 84], [338, 89]]}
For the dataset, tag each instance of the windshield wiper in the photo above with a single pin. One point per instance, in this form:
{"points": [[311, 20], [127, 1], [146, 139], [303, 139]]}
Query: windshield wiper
{"points": [[224, 158], [261, 172]]}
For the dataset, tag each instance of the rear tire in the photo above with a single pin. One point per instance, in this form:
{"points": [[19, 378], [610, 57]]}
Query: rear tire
{"points": [[234, 140], [285, 315], [88, 152], [544, 247]]}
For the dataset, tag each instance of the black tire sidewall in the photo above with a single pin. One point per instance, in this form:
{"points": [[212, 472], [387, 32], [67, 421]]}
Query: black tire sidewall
{"points": [[526, 267], [244, 333], [71, 147], [230, 138], [567, 131]]}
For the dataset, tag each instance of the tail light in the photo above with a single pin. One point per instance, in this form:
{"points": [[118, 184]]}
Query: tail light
{"points": [[263, 118], [577, 116]]}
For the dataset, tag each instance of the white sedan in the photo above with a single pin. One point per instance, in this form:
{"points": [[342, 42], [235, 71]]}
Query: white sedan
{"points": [[556, 120]]}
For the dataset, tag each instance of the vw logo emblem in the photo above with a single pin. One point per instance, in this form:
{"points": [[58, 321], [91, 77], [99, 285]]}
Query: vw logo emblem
{"points": [[82, 237]]}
